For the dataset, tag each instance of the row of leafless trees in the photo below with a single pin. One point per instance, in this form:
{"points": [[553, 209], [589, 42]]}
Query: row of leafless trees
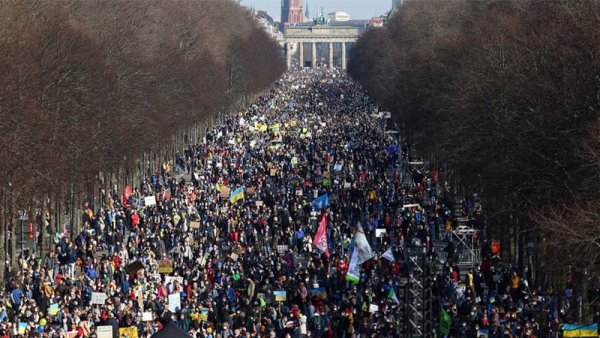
{"points": [[507, 95], [94, 94]]}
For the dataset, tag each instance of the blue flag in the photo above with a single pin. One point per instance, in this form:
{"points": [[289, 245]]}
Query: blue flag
{"points": [[393, 149], [320, 202]]}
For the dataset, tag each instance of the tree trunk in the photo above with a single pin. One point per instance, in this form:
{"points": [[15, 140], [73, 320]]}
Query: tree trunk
{"points": [[3, 238], [42, 229]]}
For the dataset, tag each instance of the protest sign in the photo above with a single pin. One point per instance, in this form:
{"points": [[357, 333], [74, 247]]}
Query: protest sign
{"points": [[380, 232], [149, 201], [280, 295], [174, 302], [128, 332], [195, 225], [147, 317], [373, 308], [104, 331], [203, 314], [53, 310], [172, 279], [165, 266], [99, 298]]}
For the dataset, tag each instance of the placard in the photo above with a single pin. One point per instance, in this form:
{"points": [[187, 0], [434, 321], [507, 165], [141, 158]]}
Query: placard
{"points": [[225, 192], [273, 171], [22, 328], [380, 232], [174, 302], [414, 205], [71, 334], [234, 256], [140, 299], [149, 201], [281, 249], [194, 225], [128, 332], [319, 293], [147, 316], [259, 203], [280, 295], [203, 314], [104, 331], [172, 279], [53, 310], [99, 298], [165, 266], [373, 308]]}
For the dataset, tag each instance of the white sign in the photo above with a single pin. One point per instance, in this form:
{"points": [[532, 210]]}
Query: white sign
{"points": [[171, 279], [150, 201], [104, 331], [147, 316], [373, 308], [380, 232], [99, 298], [174, 302]]}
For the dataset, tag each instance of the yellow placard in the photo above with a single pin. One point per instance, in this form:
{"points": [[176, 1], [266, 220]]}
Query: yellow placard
{"points": [[128, 332], [165, 266]]}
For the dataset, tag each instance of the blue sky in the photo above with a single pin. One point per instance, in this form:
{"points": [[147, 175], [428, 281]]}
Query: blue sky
{"points": [[358, 9]]}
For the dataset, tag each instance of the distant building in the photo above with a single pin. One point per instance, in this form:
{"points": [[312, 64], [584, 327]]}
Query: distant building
{"points": [[269, 25], [264, 18], [339, 17], [291, 13], [361, 25], [376, 22], [306, 13]]}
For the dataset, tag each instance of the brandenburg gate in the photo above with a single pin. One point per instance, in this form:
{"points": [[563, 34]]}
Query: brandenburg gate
{"points": [[318, 33]]}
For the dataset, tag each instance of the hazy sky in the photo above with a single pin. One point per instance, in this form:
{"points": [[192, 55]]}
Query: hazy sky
{"points": [[358, 9]]}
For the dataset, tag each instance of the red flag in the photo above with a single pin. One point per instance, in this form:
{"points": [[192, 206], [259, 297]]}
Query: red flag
{"points": [[126, 194], [320, 240]]}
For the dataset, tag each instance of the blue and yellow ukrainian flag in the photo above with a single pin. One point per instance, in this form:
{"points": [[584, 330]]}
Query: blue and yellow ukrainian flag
{"points": [[236, 195], [577, 330]]}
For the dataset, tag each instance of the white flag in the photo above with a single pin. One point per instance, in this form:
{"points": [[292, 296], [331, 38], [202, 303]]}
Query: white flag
{"points": [[389, 255], [353, 274], [361, 245]]}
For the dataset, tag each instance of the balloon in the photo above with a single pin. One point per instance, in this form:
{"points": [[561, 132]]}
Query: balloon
{"points": [[43, 322]]}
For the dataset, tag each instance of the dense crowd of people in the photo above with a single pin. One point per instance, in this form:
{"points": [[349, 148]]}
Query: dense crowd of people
{"points": [[224, 242]]}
